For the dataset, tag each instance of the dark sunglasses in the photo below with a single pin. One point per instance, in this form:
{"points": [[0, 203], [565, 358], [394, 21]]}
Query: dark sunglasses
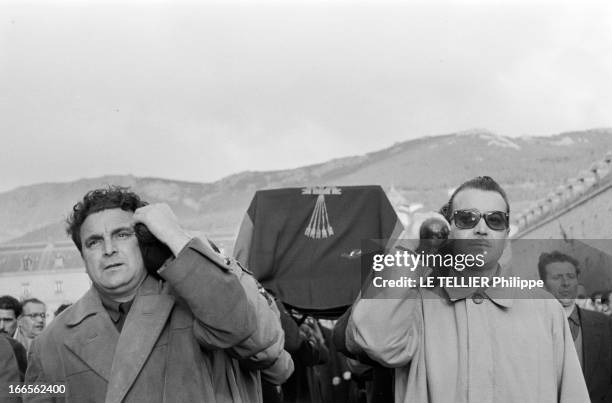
{"points": [[468, 219]]}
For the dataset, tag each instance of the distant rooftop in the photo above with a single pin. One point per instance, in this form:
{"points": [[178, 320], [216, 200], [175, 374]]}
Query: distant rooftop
{"points": [[571, 193]]}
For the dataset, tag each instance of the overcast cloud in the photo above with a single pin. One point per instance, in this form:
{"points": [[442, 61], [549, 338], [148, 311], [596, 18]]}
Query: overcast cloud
{"points": [[199, 91]]}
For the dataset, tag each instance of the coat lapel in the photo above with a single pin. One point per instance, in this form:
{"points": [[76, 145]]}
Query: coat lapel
{"points": [[94, 336], [143, 326]]}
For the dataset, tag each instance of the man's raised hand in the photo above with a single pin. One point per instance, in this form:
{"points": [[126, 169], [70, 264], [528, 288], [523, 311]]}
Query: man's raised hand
{"points": [[163, 224]]}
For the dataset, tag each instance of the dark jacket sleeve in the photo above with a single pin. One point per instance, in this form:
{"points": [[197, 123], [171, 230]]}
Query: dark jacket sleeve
{"points": [[9, 370], [306, 352], [21, 355], [293, 339], [608, 339], [339, 334]]}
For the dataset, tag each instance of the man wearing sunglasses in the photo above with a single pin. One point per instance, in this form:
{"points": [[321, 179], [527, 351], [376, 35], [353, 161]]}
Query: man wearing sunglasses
{"points": [[471, 344]]}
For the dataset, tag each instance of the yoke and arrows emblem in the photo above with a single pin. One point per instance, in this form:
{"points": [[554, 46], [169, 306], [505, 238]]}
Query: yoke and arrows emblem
{"points": [[319, 225]]}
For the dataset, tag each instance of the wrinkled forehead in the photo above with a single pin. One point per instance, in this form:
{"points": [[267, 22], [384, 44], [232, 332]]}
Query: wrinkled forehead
{"points": [[481, 200], [563, 267], [105, 221]]}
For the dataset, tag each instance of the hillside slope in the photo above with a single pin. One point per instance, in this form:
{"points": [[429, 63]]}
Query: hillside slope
{"points": [[422, 170]]}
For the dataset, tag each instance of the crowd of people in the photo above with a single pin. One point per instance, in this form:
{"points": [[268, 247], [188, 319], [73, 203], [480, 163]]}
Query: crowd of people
{"points": [[170, 318], [599, 301]]}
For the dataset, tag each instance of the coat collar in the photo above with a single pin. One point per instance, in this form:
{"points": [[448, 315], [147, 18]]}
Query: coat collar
{"points": [[501, 296], [91, 335], [118, 358], [88, 305], [91, 303], [143, 326]]}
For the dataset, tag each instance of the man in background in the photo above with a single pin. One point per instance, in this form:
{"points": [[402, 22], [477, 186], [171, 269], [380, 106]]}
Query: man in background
{"points": [[10, 309], [31, 321], [591, 331], [582, 298]]}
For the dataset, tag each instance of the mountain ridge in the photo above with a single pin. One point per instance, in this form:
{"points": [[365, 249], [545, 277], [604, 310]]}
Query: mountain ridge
{"points": [[423, 170]]}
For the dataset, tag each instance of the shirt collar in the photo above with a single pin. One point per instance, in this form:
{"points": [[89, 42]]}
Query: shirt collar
{"points": [[114, 308], [109, 304]]}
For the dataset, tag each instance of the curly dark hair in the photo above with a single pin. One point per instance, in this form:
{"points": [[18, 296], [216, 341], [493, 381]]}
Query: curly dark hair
{"points": [[10, 304], [554, 257], [98, 200]]}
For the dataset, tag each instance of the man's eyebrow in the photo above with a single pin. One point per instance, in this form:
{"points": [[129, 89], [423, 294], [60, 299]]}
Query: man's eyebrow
{"points": [[92, 237], [113, 232], [122, 229]]}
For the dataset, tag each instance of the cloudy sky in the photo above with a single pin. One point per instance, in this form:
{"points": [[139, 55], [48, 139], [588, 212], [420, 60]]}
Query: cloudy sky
{"points": [[197, 91]]}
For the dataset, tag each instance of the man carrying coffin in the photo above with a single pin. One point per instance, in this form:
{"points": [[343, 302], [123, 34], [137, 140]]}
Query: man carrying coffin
{"points": [[190, 331], [465, 344]]}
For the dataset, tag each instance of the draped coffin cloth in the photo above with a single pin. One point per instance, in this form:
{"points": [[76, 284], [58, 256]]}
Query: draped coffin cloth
{"points": [[305, 271]]}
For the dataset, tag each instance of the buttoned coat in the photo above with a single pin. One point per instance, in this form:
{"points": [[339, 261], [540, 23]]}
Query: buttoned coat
{"points": [[181, 340], [597, 354]]}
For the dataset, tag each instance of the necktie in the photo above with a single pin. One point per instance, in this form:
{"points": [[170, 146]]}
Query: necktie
{"points": [[574, 327]]}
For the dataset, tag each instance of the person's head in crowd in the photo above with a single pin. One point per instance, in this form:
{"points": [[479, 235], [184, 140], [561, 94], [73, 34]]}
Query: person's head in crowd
{"points": [[607, 300], [478, 213], [60, 309], [596, 300], [560, 275], [10, 309], [600, 301], [605, 303], [433, 232], [102, 228], [33, 317], [582, 298]]}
